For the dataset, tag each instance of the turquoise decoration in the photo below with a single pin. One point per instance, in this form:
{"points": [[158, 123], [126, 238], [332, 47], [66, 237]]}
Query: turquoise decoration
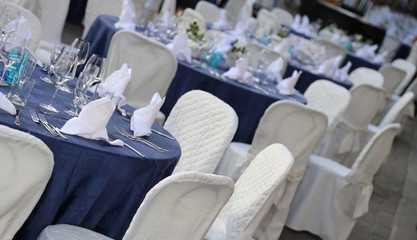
{"points": [[215, 58], [348, 45], [15, 68]]}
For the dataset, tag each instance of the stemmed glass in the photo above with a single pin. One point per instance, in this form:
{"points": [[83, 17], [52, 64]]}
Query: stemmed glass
{"points": [[58, 48], [12, 49], [6, 24], [64, 72]]}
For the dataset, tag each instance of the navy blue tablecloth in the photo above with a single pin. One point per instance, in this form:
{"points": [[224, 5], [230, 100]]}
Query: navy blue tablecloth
{"points": [[93, 185], [248, 102]]}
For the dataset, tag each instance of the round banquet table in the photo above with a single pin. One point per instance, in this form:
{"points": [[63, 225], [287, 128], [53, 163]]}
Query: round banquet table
{"points": [[93, 185]]}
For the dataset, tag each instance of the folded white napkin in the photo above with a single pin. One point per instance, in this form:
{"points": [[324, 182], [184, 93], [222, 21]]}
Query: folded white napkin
{"points": [[127, 19], [223, 46], [240, 72], [143, 118], [284, 46], [367, 51], [286, 86], [117, 83], [296, 22], [273, 71], [23, 28], [330, 65], [342, 73], [301, 24], [222, 23], [92, 121], [380, 57], [179, 47], [6, 105], [239, 32]]}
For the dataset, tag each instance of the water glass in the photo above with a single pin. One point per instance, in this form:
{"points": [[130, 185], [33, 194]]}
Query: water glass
{"points": [[25, 91]]}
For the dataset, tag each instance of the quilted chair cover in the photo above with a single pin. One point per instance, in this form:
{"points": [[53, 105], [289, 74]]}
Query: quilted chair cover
{"points": [[393, 76], [348, 138], [368, 76], [189, 15], [332, 49], [182, 206], [409, 68], [254, 194], [284, 17], [331, 197], [153, 65], [26, 165], [203, 126], [35, 24], [255, 49], [97, 7], [209, 11], [269, 21]]}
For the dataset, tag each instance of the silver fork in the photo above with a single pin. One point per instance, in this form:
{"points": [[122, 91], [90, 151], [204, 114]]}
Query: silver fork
{"points": [[52, 113], [139, 139], [36, 119], [56, 130]]}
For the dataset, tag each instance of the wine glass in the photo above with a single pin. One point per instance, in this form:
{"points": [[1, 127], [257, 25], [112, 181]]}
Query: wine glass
{"points": [[12, 49], [58, 48], [64, 72], [9, 20]]}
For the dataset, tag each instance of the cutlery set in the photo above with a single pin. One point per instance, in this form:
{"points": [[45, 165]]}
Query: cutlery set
{"points": [[40, 119]]}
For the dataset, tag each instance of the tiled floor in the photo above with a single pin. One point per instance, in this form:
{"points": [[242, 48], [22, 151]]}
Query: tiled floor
{"points": [[393, 206]]}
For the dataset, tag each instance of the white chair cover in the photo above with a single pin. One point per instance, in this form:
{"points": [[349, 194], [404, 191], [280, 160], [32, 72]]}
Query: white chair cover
{"points": [[412, 87], [253, 196], [26, 165], [331, 197], [412, 57], [203, 126], [97, 7], [236, 8], [209, 11], [284, 17], [390, 44], [267, 20], [347, 139], [365, 75], [255, 51], [35, 24], [409, 68], [332, 49], [153, 65], [190, 14], [182, 206], [31, 5], [393, 76], [169, 5]]}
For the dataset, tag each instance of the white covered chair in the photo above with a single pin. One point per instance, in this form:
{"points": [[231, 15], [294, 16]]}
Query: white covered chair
{"points": [[26, 165], [331, 197], [284, 17], [208, 10], [363, 75], [203, 126], [154, 66], [255, 191], [182, 206], [97, 7], [169, 5], [236, 8], [189, 15], [409, 68], [257, 51], [412, 57], [349, 135], [393, 76], [35, 24], [268, 21], [296, 126], [332, 49]]}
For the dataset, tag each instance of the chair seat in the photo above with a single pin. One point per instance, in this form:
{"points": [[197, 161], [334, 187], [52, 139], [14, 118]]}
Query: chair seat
{"points": [[233, 162], [68, 232]]}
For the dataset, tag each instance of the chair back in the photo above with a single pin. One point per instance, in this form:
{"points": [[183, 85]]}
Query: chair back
{"points": [[412, 87], [397, 112], [233, 8], [154, 66], [412, 57], [409, 68], [189, 15], [393, 76], [26, 165], [363, 75], [259, 52], [268, 21], [332, 49], [52, 18], [284, 17], [204, 127], [35, 24], [328, 98], [169, 5], [253, 195], [372, 155], [209, 11], [98, 7], [365, 102], [182, 206], [296, 126]]}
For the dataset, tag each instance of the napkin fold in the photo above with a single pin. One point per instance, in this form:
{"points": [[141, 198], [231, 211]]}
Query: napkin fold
{"points": [[301, 24], [329, 66], [92, 121], [143, 118], [179, 47], [6, 105], [222, 23], [240, 72], [342, 73], [127, 19], [23, 28], [239, 32], [286, 86], [273, 71], [117, 83], [367, 51], [381, 57], [223, 46]]}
